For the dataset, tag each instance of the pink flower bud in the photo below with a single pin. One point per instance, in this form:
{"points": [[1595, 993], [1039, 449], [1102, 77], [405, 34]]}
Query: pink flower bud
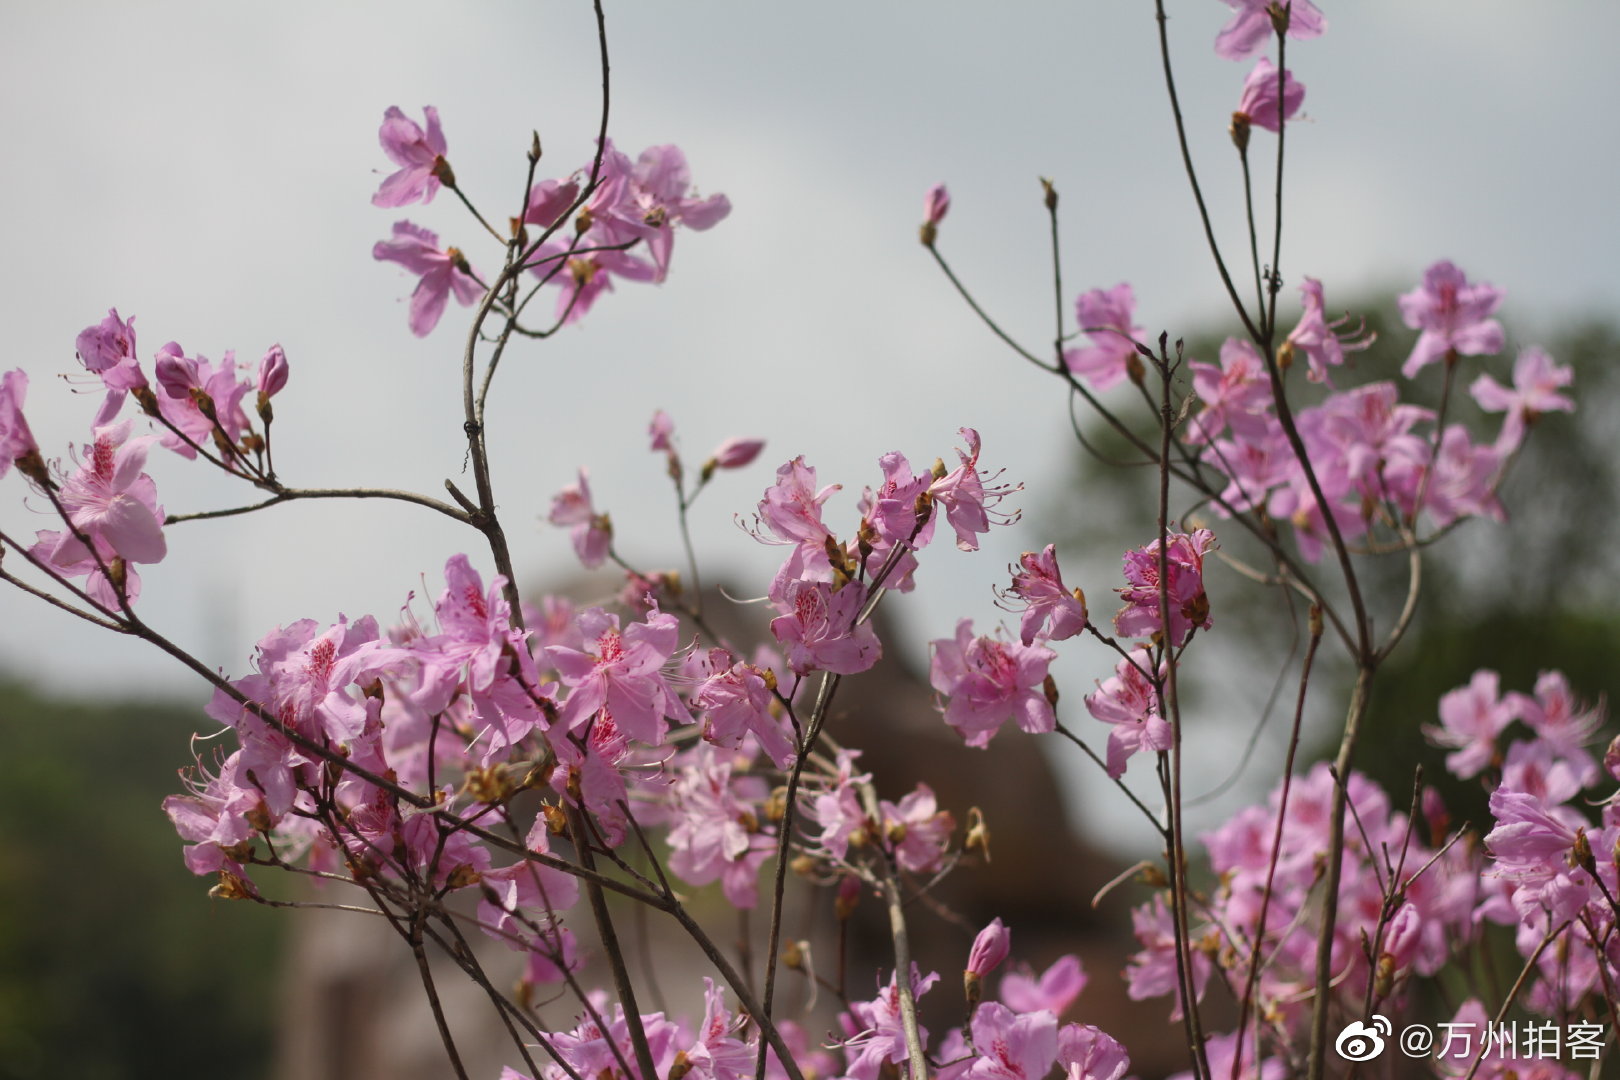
{"points": [[936, 205], [735, 453], [989, 948], [272, 372], [661, 430]]}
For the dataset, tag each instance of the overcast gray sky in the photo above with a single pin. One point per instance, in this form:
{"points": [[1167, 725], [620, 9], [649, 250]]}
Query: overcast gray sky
{"points": [[207, 168]]}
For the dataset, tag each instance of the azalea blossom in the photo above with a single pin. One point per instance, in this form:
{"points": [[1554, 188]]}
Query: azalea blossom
{"points": [[985, 681], [1189, 607], [443, 271], [1536, 385], [1051, 610], [1258, 103], [1454, 316], [419, 155], [1251, 25], [1105, 317]]}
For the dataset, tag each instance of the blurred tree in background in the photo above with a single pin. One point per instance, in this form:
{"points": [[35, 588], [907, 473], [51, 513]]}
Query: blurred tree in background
{"points": [[113, 961]]}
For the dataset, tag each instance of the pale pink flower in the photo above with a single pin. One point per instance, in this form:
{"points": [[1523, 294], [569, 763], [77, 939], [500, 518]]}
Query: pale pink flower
{"points": [[985, 681], [734, 453], [936, 204], [1012, 1046], [1105, 317], [418, 154], [1258, 101], [1128, 702], [1088, 1053], [110, 499], [1536, 382], [443, 271], [1054, 990], [817, 628], [966, 500], [107, 350], [1453, 315], [923, 830], [592, 533], [621, 672], [16, 440], [1471, 717], [1321, 341], [1251, 26], [1236, 394]]}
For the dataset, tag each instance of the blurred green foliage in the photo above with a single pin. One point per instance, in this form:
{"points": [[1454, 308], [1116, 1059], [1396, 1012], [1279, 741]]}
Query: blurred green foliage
{"points": [[114, 962]]}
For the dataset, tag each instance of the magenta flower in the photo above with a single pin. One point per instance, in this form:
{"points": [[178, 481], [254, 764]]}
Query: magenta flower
{"points": [[419, 155], [1258, 102], [1251, 26], [1536, 382], [1051, 611], [1105, 317], [985, 681], [734, 700], [715, 834], [1189, 607], [549, 200], [443, 271], [791, 510], [936, 204], [1455, 317], [16, 440], [592, 532], [1128, 702], [661, 432], [967, 502], [876, 1035]]}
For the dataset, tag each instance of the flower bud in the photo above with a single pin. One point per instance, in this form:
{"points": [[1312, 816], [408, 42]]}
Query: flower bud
{"points": [[936, 204], [272, 373], [989, 949], [735, 453], [1240, 130], [849, 894]]}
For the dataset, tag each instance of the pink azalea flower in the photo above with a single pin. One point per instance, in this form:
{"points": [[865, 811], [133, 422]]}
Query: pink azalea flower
{"points": [[661, 184], [1128, 702], [622, 672], [718, 1054], [1561, 723], [1012, 1046], [1140, 617], [1453, 315], [1471, 717], [1054, 991], [985, 681], [1051, 610], [1318, 339], [1105, 317], [967, 502], [418, 154], [716, 834], [791, 510], [1152, 972], [443, 271], [817, 628], [1258, 102], [876, 1036], [16, 440], [1236, 394], [109, 499], [549, 200], [661, 431], [186, 384], [107, 349], [1088, 1053], [1464, 482], [1251, 26], [923, 830], [735, 701], [1536, 382], [592, 532]]}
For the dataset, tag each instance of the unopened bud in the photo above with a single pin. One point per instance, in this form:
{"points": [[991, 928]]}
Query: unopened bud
{"points": [[972, 988], [793, 955], [776, 805], [1240, 130], [1049, 688], [1384, 980], [1134, 369], [804, 866], [556, 820], [682, 1066], [1051, 194], [1582, 855], [849, 894]]}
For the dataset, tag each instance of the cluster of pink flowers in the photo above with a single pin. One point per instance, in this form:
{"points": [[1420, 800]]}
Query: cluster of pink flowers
{"points": [[621, 206]]}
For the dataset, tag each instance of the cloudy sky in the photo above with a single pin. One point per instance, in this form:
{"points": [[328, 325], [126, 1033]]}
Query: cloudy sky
{"points": [[207, 168]]}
